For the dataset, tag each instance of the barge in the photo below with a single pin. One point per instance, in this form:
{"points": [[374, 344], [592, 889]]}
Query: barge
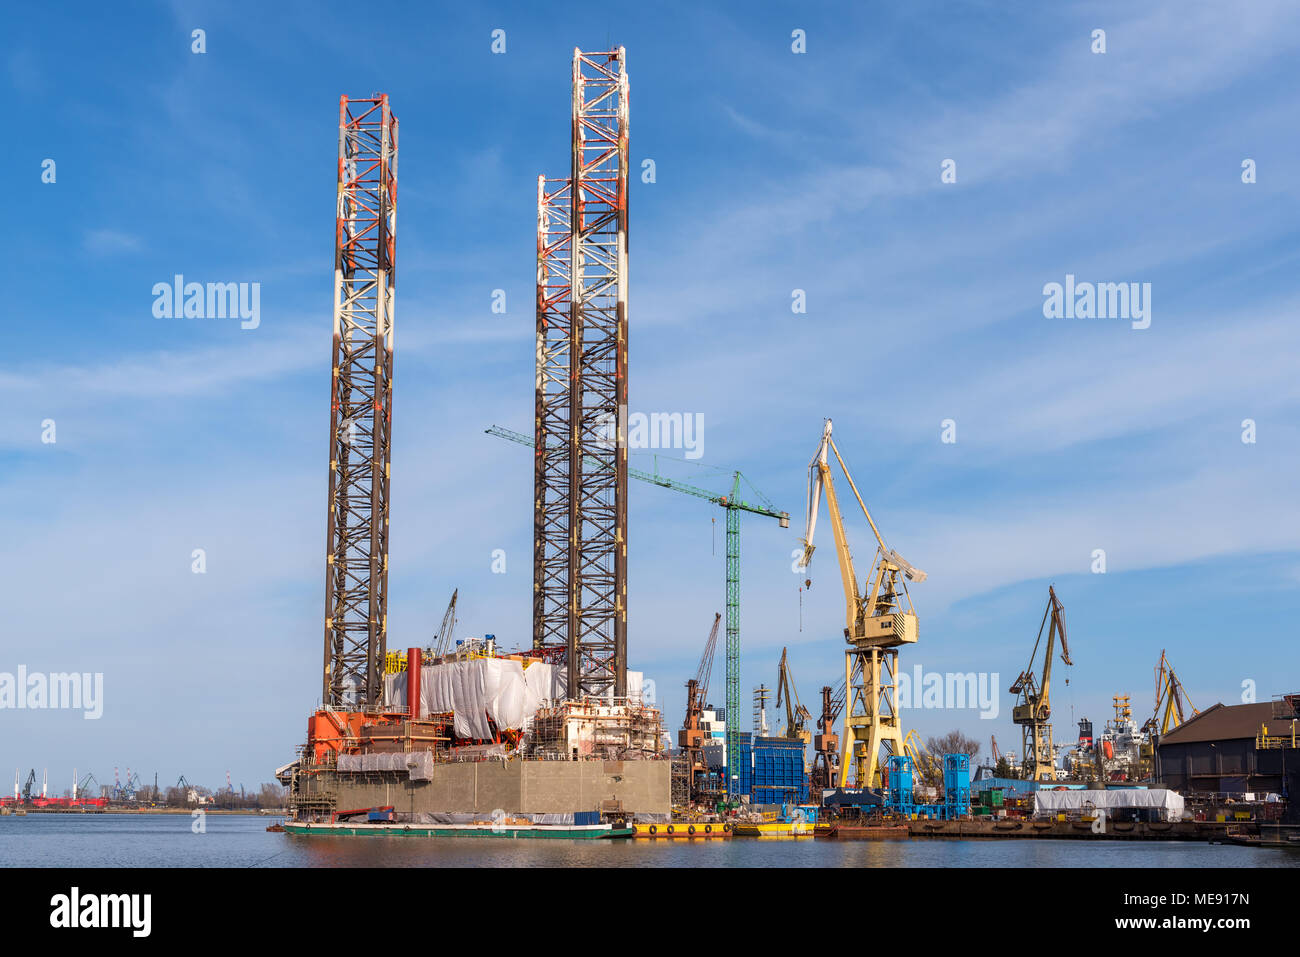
{"points": [[483, 829]]}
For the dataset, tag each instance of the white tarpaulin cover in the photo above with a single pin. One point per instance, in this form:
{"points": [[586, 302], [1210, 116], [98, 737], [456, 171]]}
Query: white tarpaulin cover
{"points": [[499, 687], [418, 765], [1169, 803], [475, 689]]}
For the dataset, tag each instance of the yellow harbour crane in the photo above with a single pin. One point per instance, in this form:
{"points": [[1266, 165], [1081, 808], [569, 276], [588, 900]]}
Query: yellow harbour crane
{"points": [[797, 716], [1172, 702], [1033, 711], [927, 765], [879, 618]]}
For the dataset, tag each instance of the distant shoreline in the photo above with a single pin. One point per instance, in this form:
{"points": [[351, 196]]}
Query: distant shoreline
{"points": [[153, 810]]}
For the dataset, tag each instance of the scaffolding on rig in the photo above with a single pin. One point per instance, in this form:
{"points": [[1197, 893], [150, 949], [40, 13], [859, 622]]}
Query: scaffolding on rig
{"points": [[361, 390], [596, 728]]}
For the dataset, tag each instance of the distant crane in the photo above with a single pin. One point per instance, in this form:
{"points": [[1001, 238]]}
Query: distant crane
{"points": [[691, 738], [796, 715], [442, 640], [993, 739], [1171, 696], [85, 783], [734, 505], [28, 785], [1034, 711], [879, 618]]}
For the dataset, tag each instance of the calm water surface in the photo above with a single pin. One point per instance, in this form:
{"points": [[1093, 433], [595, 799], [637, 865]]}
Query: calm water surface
{"points": [[166, 840]]}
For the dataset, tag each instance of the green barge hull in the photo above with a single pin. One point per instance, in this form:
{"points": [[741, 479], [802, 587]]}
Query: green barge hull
{"points": [[564, 832]]}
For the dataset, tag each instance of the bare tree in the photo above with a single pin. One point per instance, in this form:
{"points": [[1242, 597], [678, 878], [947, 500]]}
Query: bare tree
{"points": [[954, 742]]}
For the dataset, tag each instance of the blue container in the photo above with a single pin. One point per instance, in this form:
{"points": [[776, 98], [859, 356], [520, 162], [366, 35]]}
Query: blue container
{"points": [[1011, 787], [779, 775], [585, 818], [740, 780]]}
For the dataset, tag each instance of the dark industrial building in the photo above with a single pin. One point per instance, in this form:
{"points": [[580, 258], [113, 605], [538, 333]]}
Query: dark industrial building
{"points": [[1234, 749]]}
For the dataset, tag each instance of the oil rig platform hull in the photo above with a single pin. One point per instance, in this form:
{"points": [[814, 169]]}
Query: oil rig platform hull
{"points": [[634, 789]]}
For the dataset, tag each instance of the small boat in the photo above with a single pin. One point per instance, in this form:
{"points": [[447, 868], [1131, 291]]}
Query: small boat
{"points": [[789, 822], [795, 828]]}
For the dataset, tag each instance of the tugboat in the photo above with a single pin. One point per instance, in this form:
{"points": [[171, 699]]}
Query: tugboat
{"points": [[788, 822]]}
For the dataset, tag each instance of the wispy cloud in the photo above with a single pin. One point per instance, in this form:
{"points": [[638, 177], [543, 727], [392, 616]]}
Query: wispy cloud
{"points": [[110, 242]]}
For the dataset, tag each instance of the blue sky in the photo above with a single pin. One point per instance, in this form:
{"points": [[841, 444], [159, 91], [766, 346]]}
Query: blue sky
{"points": [[775, 171]]}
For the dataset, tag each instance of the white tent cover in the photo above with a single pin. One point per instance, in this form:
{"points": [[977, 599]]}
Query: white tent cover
{"points": [[1170, 803], [481, 687]]}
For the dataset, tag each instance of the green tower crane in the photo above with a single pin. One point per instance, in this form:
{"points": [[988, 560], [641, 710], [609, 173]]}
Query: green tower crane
{"points": [[734, 505]]}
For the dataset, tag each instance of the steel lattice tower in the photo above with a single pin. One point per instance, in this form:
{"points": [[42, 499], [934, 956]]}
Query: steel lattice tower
{"points": [[356, 577], [580, 482], [597, 635], [731, 716], [551, 460]]}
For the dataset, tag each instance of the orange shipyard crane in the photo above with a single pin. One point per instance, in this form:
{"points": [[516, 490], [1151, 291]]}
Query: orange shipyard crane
{"points": [[691, 737], [826, 744], [878, 619], [1034, 711]]}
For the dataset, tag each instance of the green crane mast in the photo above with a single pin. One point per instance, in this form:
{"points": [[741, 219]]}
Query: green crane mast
{"points": [[734, 505]]}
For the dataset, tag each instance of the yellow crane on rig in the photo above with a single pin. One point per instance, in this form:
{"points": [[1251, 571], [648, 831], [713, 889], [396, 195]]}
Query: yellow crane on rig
{"points": [[1033, 712], [879, 619]]}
